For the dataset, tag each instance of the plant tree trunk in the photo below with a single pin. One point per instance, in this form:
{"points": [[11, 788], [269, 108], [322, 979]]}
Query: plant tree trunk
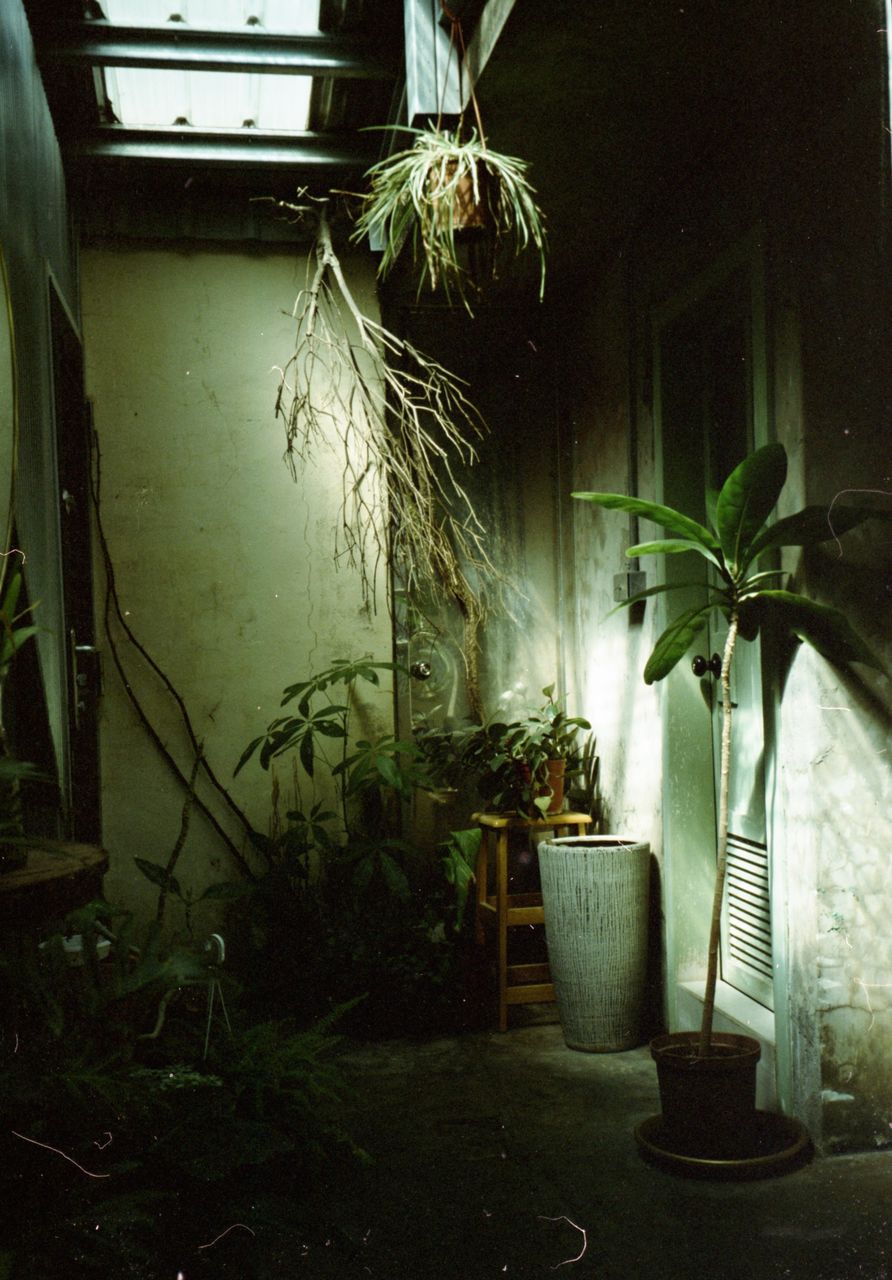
{"points": [[712, 969]]}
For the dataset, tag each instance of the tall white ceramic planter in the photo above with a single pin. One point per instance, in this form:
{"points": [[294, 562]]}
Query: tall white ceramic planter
{"points": [[595, 900]]}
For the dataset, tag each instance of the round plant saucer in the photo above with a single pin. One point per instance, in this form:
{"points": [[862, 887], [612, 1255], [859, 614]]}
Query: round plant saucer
{"points": [[779, 1145]]}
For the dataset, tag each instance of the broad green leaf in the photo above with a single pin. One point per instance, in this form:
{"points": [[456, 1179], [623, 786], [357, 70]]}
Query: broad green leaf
{"points": [[159, 876], [670, 547], [11, 595], [329, 712], [826, 629], [660, 589], [813, 525], [712, 497], [307, 754], [293, 690], [389, 771], [21, 634], [247, 753], [226, 890], [665, 517], [395, 877], [329, 730], [753, 584], [674, 643], [747, 498]]}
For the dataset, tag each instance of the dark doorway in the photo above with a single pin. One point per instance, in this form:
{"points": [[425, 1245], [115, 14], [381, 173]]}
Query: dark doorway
{"points": [[73, 433]]}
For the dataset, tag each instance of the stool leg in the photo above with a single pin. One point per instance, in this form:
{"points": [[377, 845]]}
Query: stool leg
{"points": [[481, 872], [502, 923]]}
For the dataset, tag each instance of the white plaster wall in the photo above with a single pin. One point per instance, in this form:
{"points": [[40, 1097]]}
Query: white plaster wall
{"points": [[223, 564], [610, 651]]}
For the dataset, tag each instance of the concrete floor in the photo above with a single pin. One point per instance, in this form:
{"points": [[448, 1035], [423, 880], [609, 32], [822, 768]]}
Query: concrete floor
{"points": [[510, 1155]]}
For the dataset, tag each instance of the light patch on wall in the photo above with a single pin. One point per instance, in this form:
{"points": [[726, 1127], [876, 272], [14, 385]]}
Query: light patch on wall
{"points": [[144, 97]]}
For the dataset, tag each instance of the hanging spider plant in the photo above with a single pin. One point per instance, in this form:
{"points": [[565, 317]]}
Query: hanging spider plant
{"points": [[443, 188]]}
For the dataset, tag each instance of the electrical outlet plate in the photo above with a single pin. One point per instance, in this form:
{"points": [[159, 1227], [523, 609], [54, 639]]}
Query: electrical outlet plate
{"points": [[626, 585]]}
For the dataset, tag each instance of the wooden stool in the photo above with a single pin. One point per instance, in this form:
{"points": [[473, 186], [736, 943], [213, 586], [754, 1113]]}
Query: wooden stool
{"points": [[518, 983]]}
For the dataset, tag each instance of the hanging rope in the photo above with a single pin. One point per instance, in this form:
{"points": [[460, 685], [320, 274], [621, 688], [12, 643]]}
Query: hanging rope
{"points": [[457, 43]]}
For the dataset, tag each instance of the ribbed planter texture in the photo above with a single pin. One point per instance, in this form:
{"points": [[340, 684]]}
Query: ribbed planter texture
{"points": [[595, 901]]}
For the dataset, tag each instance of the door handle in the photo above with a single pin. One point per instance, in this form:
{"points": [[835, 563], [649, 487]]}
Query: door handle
{"points": [[702, 666], [79, 679]]}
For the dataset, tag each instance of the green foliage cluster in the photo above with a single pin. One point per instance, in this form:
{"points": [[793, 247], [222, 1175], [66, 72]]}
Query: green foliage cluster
{"points": [[507, 761], [174, 1143], [13, 772], [348, 906], [738, 536]]}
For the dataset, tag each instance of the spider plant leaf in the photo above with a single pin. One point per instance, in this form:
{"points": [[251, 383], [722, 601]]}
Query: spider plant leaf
{"points": [[746, 499], [674, 643]]}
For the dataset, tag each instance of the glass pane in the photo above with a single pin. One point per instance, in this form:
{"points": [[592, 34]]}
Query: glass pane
{"points": [[287, 17]]}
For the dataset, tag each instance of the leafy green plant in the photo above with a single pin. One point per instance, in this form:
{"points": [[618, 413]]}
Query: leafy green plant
{"points": [[426, 192], [737, 537], [169, 885], [458, 854], [508, 761], [350, 905], [13, 772], [372, 777]]}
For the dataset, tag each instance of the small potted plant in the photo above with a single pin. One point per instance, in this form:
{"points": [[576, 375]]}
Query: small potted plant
{"points": [[518, 766], [707, 1079]]}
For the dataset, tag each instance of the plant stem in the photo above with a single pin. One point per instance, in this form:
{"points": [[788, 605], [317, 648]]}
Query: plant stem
{"points": [[712, 968]]}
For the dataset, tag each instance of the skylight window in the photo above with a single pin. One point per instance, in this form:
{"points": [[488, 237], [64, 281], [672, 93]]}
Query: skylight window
{"points": [[147, 98]]}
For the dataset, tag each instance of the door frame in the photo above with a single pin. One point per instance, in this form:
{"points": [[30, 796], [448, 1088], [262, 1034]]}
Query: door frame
{"points": [[82, 681], [688, 801]]}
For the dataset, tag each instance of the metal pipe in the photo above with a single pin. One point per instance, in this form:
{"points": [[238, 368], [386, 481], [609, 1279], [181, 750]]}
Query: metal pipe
{"points": [[224, 147], [101, 44]]}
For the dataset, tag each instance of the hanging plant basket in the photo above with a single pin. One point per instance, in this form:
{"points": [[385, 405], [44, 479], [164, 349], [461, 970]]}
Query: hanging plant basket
{"points": [[437, 190]]}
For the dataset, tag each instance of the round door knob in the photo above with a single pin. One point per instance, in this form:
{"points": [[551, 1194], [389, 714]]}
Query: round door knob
{"points": [[702, 666]]}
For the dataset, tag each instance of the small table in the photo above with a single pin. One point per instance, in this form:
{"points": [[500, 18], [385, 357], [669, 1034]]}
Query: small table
{"points": [[518, 983], [57, 877]]}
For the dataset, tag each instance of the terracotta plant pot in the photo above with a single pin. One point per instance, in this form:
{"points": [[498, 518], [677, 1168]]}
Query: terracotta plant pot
{"points": [[708, 1103], [470, 213], [555, 770]]}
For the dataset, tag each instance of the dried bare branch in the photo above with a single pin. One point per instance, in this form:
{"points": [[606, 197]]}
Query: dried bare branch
{"points": [[402, 426]]}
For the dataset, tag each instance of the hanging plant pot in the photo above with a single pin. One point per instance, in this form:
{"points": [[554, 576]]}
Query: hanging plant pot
{"points": [[447, 185], [709, 1102], [554, 785], [595, 902], [470, 195]]}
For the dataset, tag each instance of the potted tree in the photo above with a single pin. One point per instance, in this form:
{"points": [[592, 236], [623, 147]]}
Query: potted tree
{"points": [[702, 1109]]}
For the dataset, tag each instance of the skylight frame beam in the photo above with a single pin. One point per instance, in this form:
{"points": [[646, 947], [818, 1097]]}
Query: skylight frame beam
{"points": [[174, 48], [246, 148]]}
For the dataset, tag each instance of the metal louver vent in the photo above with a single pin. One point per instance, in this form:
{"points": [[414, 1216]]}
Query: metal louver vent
{"points": [[747, 950]]}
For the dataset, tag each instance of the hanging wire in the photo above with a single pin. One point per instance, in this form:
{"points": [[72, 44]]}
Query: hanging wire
{"points": [[457, 43]]}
